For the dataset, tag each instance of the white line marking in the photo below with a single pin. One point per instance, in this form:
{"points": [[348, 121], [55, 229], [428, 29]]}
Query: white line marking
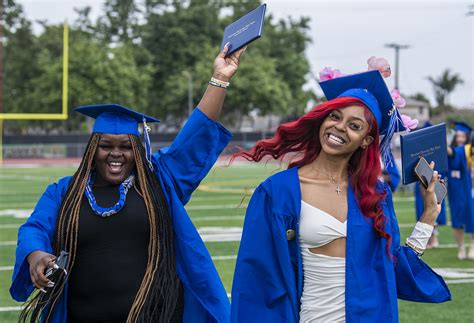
{"points": [[7, 243], [11, 309], [469, 270], [219, 234], [225, 237], [217, 198], [17, 213], [459, 281], [454, 273], [6, 268], [25, 177], [404, 199], [9, 226], [217, 217], [224, 257], [216, 207]]}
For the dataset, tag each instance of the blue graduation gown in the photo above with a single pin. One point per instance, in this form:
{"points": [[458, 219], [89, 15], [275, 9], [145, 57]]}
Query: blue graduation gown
{"points": [[268, 279], [441, 220], [459, 190], [394, 175], [179, 168]]}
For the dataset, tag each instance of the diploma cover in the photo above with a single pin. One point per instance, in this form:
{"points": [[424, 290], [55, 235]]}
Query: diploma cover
{"points": [[245, 30], [428, 142]]}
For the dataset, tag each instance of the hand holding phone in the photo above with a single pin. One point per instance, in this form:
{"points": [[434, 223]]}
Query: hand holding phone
{"points": [[424, 173], [58, 273]]}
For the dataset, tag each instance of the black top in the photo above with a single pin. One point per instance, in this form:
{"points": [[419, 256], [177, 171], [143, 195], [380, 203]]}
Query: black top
{"points": [[111, 260]]}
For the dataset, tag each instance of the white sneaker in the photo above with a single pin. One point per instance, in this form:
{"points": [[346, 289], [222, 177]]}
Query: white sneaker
{"points": [[470, 254], [462, 253]]}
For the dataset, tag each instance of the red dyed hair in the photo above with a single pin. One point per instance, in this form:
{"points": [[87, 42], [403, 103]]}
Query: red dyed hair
{"points": [[302, 138]]}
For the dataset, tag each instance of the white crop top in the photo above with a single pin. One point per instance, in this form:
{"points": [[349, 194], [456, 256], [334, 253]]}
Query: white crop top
{"points": [[318, 228]]}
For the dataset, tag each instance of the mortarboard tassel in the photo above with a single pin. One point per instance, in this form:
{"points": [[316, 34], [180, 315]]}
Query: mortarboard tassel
{"points": [[392, 128], [146, 130]]}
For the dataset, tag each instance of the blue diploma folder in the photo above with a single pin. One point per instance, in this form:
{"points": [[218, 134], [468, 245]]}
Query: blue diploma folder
{"points": [[245, 30], [428, 142]]}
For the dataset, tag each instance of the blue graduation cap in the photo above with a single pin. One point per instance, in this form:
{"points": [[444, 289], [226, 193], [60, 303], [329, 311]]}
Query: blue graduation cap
{"points": [[370, 88], [115, 119], [461, 126], [427, 124]]}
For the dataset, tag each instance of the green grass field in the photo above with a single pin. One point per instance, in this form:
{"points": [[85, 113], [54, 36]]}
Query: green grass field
{"points": [[216, 204]]}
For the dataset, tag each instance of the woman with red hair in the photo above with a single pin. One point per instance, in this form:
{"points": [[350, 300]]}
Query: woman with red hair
{"points": [[321, 241]]}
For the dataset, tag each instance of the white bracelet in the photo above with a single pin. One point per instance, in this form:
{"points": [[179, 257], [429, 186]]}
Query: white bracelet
{"points": [[219, 83]]}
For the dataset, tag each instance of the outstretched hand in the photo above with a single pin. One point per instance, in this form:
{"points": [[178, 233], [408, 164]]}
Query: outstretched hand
{"points": [[226, 67]]}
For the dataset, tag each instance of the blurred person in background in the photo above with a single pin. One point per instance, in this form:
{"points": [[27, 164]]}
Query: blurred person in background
{"points": [[459, 188]]}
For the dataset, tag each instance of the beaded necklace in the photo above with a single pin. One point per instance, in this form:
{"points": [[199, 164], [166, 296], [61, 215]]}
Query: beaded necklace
{"points": [[108, 211]]}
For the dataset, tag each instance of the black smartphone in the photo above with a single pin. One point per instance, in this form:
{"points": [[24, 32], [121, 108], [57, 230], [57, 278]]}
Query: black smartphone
{"points": [[59, 274], [424, 173]]}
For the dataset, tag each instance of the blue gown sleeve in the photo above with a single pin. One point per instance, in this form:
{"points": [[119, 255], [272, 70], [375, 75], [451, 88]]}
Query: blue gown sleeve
{"points": [[258, 291], [458, 160], [415, 280], [192, 154], [35, 234], [394, 176]]}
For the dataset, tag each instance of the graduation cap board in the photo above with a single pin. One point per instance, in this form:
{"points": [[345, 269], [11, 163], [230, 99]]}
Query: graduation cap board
{"points": [[115, 119], [371, 89], [461, 126]]}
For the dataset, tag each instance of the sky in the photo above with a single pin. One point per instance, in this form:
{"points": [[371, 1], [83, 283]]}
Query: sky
{"points": [[345, 34]]}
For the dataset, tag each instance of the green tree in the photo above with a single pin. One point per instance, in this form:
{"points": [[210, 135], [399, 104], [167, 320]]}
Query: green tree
{"points": [[185, 36], [179, 35], [443, 86], [83, 21], [420, 97], [119, 22], [20, 61], [145, 55]]}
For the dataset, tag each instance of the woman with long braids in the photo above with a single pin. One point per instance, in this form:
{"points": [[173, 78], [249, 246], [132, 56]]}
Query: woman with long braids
{"points": [[134, 254], [321, 241]]}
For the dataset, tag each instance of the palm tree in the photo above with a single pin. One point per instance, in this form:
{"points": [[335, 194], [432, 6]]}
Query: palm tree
{"points": [[443, 86]]}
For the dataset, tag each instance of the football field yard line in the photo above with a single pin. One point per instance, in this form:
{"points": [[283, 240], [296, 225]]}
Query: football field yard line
{"points": [[217, 217], [459, 281], [9, 226], [8, 243], [11, 308]]}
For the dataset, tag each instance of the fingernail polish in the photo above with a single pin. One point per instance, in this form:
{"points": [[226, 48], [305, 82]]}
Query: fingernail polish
{"points": [[42, 290], [50, 284], [55, 266]]}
